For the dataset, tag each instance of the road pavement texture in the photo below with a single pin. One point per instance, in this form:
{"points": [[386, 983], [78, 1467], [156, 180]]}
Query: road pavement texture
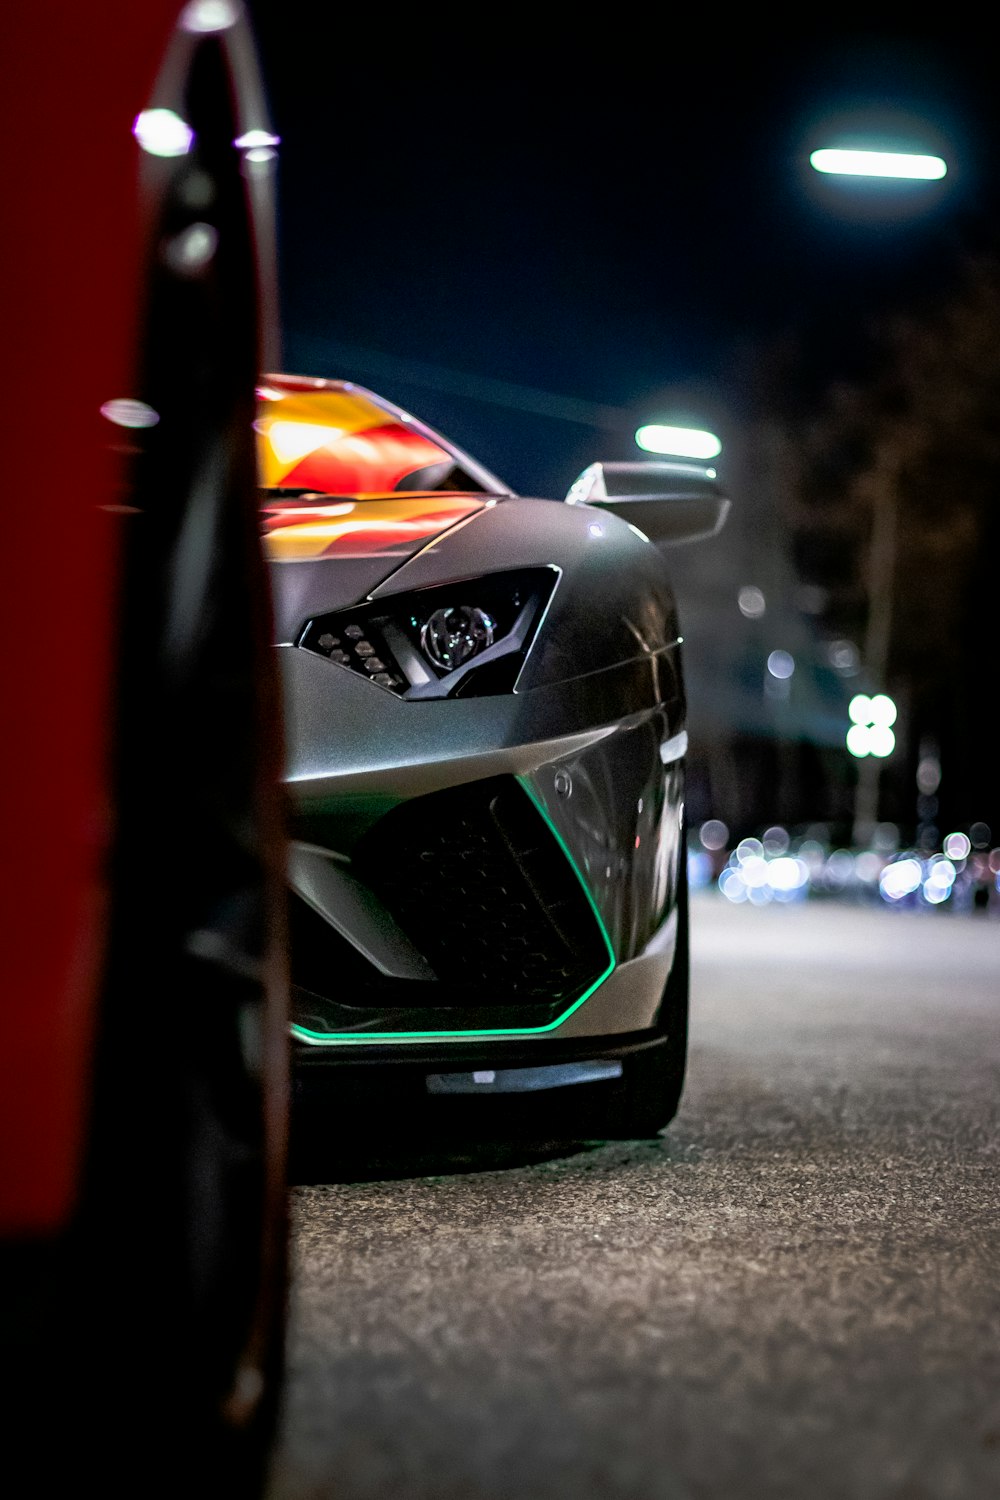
{"points": [[795, 1292]]}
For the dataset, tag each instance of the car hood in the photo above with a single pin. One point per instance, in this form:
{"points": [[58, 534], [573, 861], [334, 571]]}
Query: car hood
{"points": [[331, 551]]}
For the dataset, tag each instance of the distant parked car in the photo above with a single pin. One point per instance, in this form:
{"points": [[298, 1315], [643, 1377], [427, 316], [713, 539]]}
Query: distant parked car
{"points": [[485, 713], [143, 1002]]}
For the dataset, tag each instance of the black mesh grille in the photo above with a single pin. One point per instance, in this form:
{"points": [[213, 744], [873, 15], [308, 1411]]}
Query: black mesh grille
{"points": [[479, 884], [477, 881]]}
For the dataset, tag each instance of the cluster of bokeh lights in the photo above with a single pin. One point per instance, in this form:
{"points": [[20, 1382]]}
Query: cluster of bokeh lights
{"points": [[778, 868], [871, 725], [758, 870]]}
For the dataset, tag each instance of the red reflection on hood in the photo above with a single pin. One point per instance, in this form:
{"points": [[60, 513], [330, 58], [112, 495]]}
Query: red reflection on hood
{"points": [[299, 529], [363, 462]]}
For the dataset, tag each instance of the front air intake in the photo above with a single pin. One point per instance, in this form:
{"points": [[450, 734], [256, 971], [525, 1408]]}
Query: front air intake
{"points": [[478, 882]]}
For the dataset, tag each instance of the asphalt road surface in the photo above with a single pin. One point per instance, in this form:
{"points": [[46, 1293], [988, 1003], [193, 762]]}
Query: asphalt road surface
{"points": [[795, 1292]]}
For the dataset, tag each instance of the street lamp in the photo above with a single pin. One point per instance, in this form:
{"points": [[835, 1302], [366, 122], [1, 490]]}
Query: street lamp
{"points": [[870, 737], [853, 163], [679, 442]]}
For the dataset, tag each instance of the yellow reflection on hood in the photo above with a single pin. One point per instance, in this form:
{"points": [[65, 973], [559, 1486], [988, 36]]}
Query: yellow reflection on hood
{"points": [[291, 441]]}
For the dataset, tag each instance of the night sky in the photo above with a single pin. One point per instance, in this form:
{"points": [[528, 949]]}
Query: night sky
{"points": [[512, 235]]}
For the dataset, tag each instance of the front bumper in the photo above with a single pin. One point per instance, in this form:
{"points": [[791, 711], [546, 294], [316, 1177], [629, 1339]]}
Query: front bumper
{"points": [[406, 904]]}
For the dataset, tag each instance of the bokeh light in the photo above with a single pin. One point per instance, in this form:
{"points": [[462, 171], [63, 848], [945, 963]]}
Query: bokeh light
{"points": [[748, 849], [781, 664], [928, 775], [957, 845], [126, 412], [844, 658], [161, 132], [714, 834], [881, 740], [202, 17], [838, 869], [900, 879], [882, 710], [751, 601]]}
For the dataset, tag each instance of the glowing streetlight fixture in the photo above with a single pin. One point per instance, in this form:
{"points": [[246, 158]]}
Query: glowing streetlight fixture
{"points": [[871, 720], [679, 442], [852, 163]]}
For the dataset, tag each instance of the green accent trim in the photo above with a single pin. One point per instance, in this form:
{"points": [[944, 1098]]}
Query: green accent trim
{"points": [[370, 1038]]}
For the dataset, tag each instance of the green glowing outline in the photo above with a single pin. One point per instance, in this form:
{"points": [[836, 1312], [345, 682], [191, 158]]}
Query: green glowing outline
{"points": [[340, 1038]]}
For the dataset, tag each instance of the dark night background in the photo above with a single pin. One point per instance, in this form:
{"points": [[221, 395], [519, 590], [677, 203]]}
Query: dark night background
{"points": [[536, 241]]}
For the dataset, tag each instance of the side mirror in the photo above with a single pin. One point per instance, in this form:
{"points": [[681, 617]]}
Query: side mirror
{"points": [[670, 502]]}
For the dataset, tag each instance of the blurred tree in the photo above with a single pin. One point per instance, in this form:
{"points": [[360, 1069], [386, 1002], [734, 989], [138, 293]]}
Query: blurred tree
{"points": [[894, 518]]}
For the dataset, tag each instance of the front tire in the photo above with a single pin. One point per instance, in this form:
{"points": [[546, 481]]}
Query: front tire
{"points": [[646, 1097]]}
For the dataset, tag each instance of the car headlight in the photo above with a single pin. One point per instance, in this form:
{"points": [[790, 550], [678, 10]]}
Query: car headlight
{"points": [[452, 636], [463, 639]]}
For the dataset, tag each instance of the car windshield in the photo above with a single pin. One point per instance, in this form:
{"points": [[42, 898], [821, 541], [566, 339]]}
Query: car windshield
{"points": [[323, 438]]}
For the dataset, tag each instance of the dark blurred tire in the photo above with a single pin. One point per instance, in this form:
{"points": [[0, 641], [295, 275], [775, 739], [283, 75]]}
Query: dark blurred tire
{"points": [[172, 1297]]}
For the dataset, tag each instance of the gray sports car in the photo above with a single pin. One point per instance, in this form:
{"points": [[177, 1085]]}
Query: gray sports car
{"points": [[486, 739]]}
